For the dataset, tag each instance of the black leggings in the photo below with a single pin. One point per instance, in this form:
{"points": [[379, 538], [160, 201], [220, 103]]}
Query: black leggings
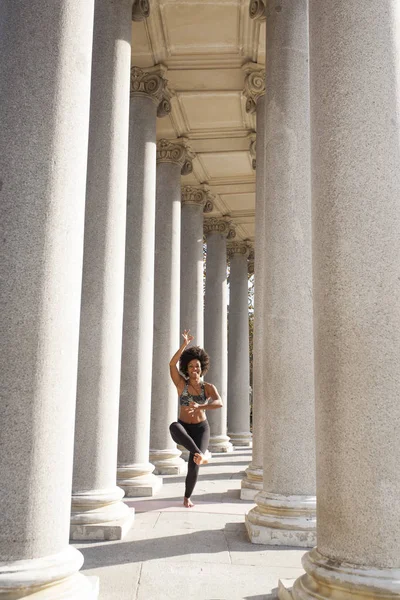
{"points": [[194, 437]]}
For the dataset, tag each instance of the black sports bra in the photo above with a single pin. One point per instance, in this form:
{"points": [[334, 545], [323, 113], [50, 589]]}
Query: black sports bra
{"points": [[186, 397]]}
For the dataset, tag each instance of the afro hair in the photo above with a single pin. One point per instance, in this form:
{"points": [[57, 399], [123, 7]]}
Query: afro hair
{"points": [[192, 353]]}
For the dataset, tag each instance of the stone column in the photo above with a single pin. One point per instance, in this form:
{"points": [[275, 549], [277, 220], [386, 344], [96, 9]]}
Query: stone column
{"points": [[285, 511], [45, 67], [254, 91], [135, 472], [356, 249], [238, 346], [215, 325], [97, 509], [173, 158], [195, 202]]}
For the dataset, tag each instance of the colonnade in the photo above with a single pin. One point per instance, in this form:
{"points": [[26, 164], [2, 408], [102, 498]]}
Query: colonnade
{"points": [[90, 288], [92, 303]]}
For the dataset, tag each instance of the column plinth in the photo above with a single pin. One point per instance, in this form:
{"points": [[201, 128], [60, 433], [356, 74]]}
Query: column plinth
{"points": [[280, 520], [135, 472]]}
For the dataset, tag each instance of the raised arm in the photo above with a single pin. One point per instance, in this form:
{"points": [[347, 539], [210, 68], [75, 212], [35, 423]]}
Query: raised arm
{"points": [[213, 397], [173, 369]]}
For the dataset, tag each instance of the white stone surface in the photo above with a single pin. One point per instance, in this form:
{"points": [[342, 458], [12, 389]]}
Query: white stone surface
{"points": [[215, 334], [288, 408], [45, 71], [356, 245], [137, 339], [99, 366], [258, 413], [164, 399], [238, 347], [199, 553]]}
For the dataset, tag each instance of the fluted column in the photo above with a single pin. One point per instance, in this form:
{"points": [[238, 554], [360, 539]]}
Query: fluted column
{"points": [[238, 346], [148, 98], [254, 91], [356, 249], [195, 202], [97, 510], [215, 325], [285, 511], [173, 158], [45, 68]]}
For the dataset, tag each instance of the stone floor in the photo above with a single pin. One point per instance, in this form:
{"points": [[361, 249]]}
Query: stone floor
{"points": [[202, 553]]}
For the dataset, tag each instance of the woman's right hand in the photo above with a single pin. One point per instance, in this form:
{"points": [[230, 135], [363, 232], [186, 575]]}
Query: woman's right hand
{"points": [[187, 337]]}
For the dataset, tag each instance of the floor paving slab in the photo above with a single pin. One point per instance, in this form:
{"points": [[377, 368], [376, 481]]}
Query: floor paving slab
{"points": [[203, 553]]}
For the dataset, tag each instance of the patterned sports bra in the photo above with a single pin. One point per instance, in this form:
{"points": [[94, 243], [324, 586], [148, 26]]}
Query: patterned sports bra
{"points": [[186, 397]]}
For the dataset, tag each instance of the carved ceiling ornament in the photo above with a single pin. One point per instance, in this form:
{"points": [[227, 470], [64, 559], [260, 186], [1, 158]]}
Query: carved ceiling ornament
{"points": [[239, 248], [177, 152], [140, 10], [219, 225], [250, 261], [151, 82], [254, 85], [198, 195], [257, 10]]}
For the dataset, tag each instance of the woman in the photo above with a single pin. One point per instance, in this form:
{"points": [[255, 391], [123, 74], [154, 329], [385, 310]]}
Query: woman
{"points": [[192, 430]]}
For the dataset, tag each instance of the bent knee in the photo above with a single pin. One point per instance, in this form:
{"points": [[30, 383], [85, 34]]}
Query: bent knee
{"points": [[174, 426]]}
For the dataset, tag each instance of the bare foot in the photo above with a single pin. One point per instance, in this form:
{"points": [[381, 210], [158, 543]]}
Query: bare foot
{"points": [[188, 503], [202, 459]]}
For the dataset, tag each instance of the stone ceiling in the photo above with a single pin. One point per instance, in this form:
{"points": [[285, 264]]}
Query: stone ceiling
{"points": [[204, 45]]}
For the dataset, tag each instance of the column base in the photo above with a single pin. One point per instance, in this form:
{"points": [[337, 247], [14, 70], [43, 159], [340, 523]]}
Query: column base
{"points": [[53, 577], [335, 580], [99, 515], [282, 520], [138, 480], [244, 439], [219, 444], [167, 462], [252, 482], [285, 588], [184, 453]]}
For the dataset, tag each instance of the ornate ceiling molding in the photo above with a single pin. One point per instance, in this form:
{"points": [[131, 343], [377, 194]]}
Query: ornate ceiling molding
{"points": [[257, 10], [198, 195], [177, 152], [237, 249], [223, 226], [254, 85], [140, 10]]}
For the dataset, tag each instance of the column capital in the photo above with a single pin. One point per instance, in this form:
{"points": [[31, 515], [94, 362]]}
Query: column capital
{"points": [[199, 195], [252, 149], [219, 225], [257, 10], [237, 248], [140, 10], [254, 85], [152, 82], [176, 151]]}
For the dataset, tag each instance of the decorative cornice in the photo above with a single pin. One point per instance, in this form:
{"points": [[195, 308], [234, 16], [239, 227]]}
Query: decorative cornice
{"points": [[257, 10], [152, 82], [252, 149], [177, 152], [218, 225], [140, 10], [200, 196], [254, 85], [237, 249]]}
